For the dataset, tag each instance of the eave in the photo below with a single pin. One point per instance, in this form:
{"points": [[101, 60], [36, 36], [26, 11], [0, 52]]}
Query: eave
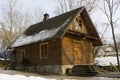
{"points": [[84, 36]]}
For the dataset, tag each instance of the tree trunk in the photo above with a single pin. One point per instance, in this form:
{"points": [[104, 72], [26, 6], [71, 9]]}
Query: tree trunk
{"points": [[115, 44]]}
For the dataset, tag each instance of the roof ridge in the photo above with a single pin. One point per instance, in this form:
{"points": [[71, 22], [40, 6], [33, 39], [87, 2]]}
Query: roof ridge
{"points": [[62, 14]]}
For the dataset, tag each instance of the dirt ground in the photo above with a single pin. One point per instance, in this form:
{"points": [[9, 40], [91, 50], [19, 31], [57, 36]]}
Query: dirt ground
{"points": [[57, 77]]}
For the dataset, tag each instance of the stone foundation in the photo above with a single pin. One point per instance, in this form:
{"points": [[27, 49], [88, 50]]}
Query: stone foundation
{"points": [[56, 69]]}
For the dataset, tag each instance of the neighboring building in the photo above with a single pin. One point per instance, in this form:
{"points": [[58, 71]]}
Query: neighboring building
{"points": [[56, 44], [105, 50], [119, 46]]}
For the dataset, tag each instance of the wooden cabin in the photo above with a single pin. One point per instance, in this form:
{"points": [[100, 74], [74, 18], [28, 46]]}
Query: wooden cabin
{"points": [[56, 44]]}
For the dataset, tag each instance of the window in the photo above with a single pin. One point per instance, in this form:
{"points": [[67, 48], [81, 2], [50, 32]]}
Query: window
{"points": [[22, 54], [43, 50], [78, 23]]}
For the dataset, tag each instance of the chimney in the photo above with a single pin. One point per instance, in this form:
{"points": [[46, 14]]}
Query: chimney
{"points": [[46, 16]]}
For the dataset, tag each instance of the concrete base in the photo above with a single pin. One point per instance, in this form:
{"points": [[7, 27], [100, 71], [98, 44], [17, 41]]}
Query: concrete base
{"points": [[56, 69]]}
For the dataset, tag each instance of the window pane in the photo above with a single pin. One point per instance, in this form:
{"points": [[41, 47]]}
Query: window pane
{"points": [[44, 50]]}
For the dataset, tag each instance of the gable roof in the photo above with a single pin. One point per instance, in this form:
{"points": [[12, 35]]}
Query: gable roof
{"points": [[52, 28]]}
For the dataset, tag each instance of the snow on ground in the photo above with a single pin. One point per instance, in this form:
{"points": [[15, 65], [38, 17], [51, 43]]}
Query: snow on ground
{"points": [[20, 77], [105, 61]]}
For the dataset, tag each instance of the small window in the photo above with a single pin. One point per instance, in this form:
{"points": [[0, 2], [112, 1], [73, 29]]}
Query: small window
{"points": [[44, 50], [22, 54], [78, 23]]}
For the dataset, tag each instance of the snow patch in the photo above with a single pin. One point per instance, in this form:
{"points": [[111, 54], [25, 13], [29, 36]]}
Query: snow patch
{"points": [[20, 77], [2, 59], [105, 61], [41, 36]]}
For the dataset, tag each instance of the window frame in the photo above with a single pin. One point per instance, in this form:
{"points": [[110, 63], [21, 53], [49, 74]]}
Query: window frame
{"points": [[22, 55], [78, 24], [41, 44]]}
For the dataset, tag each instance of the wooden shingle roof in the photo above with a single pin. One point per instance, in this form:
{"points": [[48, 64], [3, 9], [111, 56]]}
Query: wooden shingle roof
{"points": [[52, 28]]}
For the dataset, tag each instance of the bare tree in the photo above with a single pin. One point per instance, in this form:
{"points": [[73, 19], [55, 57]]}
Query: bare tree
{"points": [[13, 23], [67, 5], [110, 8], [37, 15]]}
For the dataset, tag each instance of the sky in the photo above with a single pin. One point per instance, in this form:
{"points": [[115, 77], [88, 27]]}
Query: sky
{"points": [[47, 5]]}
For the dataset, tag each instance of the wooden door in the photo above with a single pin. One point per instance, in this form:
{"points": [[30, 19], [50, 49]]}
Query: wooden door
{"points": [[77, 54]]}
